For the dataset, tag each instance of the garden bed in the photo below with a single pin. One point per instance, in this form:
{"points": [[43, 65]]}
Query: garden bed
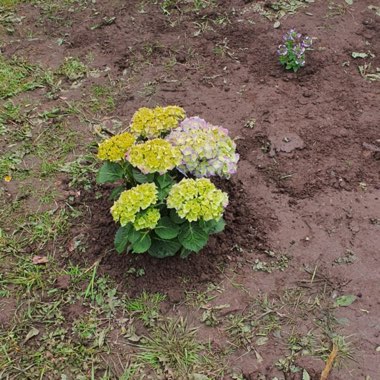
{"points": [[296, 267]]}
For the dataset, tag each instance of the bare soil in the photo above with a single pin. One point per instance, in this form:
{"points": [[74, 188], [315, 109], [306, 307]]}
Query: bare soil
{"points": [[308, 184]]}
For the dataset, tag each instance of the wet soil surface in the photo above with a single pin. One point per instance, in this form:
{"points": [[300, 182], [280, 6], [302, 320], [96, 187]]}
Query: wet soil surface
{"points": [[308, 183]]}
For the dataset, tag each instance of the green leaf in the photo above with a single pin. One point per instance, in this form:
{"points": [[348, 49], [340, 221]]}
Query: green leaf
{"points": [[134, 235], [346, 300], [164, 248], [166, 229], [122, 238], [359, 55], [185, 253], [115, 193], [142, 243], [140, 177], [110, 172], [213, 226], [349, 2], [165, 181], [175, 217], [192, 237]]}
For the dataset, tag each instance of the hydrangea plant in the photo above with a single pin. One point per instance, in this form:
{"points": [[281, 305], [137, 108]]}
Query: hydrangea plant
{"points": [[207, 150], [163, 201], [292, 52]]}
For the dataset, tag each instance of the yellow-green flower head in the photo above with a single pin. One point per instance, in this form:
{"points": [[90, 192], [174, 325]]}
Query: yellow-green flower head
{"points": [[133, 201], [154, 122], [197, 199], [115, 148], [147, 219], [153, 156]]}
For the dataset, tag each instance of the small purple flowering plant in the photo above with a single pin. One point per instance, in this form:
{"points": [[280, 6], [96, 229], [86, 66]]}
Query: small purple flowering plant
{"points": [[292, 51]]}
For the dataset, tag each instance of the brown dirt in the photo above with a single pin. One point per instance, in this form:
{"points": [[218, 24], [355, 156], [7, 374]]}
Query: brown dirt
{"points": [[176, 275], [8, 308], [313, 197]]}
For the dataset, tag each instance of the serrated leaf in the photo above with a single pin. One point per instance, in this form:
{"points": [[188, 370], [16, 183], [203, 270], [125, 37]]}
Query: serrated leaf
{"points": [[115, 193], [142, 244], [140, 177], [219, 226], [174, 217], [345, 301], [109, 172], [164, 181], [166, 229], [213, 226], [164, 248], [122, 238], [134, 235], [192, 237]]}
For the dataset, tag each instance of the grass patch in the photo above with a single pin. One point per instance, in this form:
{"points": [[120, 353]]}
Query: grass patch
{"points": [[145, 307], [17, 76], [27, 276], [172, 348], [39, 228], [169, 6], [278, 9], [73, 69], [9, 3], [81, 171], [300, 318], [10, 162], [8, 17], [102, 99]]}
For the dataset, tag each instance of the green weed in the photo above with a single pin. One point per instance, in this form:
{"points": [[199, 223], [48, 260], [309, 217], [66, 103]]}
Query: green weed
{"points": [[168, 6], [172, 347], [27, 276], [102, 100], [17, 76], [42, 227], [9, 3], [145, 307], [9, 113], [81, 171], [73, 69], [10, 162]]}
